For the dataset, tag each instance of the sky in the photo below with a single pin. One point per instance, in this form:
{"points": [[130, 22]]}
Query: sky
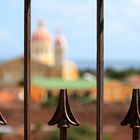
{"points": [[77, 20]]}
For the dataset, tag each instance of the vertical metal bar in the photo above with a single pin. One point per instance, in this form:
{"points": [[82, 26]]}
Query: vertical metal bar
{"points": [[63, 133], [133, 115], [27, 46], [100, 69], [136, 133], [63, 116]]}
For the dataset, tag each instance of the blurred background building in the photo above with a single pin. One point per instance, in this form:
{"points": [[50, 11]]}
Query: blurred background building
{"points": [[48, 58]]}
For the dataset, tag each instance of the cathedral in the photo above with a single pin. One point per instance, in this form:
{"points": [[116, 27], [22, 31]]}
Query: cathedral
{"points": [[48, 59]]}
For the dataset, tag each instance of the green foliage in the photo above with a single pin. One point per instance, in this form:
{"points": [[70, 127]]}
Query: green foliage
{"points": [[21, 83], [51, 101], [38, 126], [78, 133], [86, 99], [120, 74]]}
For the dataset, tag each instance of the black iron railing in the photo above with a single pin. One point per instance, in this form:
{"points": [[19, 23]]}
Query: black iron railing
{"points": [[66, 118], [63, 116], [133, 115], [2, 120], [100, 79], [27, 68], [100, 69]]}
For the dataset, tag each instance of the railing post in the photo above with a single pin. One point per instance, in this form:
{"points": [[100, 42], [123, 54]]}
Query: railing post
{"points": [[100, 69], [133, 115], [63, 116], [27, 59], [2, 120]]}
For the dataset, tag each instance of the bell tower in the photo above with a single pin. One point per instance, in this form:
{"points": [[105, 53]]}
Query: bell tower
{"points": [[60, 52]]}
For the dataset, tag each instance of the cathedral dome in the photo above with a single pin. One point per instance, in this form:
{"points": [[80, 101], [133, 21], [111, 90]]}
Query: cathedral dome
{"points": [[60, 40], [41, 34]]}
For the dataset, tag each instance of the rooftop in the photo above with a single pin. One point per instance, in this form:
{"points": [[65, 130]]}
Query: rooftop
{"points": [[60, 83]]}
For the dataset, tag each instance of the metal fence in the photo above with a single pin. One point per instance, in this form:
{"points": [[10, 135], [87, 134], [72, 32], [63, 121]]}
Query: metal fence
{"points": [[63, 116]]}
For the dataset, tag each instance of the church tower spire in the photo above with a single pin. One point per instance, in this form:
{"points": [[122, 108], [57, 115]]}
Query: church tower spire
{"points": [[60, 51]]}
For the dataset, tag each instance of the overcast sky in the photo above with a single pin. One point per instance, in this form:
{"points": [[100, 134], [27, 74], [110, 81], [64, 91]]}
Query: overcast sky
{"points": [[77, 19]]}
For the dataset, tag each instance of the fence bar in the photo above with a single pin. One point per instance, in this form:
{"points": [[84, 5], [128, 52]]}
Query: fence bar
{"points": [[136, 133], [100, 69], [63, 116], [2, 120], [63, 133], [27, 46], [133, 115]]}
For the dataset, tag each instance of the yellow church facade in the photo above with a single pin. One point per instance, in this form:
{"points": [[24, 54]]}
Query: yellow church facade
{"points": [[48, 56]]}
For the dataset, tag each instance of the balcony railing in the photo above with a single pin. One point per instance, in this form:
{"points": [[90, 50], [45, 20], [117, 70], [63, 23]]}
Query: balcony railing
{"points": [[63, 116]]}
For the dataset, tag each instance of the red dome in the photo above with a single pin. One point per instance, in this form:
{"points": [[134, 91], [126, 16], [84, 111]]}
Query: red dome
{"points": [[60, 40], [41, 34]]}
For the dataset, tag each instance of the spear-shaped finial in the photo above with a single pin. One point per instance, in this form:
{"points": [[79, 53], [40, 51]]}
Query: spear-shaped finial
{"points": [[2, 120], [63, 116], [133, 115]]}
